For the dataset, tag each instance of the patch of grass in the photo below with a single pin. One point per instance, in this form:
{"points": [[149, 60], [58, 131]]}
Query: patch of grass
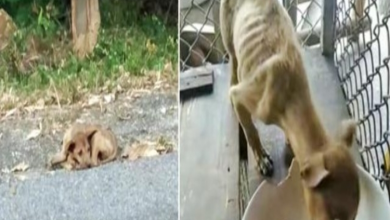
{"points": [[39, 60]]}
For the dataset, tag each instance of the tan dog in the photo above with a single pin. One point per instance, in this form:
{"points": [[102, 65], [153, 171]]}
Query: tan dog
{"points": [[78, 154], [269, 83], [104, 147], [85, 145], [357, 11], [331, 181], [355, 14]]}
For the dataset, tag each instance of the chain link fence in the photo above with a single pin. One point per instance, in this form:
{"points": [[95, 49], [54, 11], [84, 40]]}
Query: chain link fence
{"points": [[362, 59], [200, 38], [306, 16]]}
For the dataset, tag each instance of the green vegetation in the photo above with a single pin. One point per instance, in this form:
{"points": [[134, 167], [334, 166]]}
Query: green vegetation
{"points": [[39, 57]]}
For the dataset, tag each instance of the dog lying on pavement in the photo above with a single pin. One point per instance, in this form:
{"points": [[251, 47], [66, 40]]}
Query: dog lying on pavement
{"points": [[84, 146], [269, 83]]}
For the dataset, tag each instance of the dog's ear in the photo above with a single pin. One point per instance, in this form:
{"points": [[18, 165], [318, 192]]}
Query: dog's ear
{"points": [[71, 146], [313, 171], [348, 129], [90, 131]]}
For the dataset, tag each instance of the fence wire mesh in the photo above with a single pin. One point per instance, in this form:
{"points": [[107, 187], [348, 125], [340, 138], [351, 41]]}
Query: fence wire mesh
{"points": [[200, 40], [306, 16], [362, 46]]}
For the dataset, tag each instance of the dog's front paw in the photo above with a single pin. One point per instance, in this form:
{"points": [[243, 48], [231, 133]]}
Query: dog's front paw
{"points": [[266, 166]]}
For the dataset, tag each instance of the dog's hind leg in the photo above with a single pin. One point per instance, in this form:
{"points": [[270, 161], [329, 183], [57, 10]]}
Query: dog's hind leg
{"points": [[263, 160], [226, 27], [256, 96], [109, 159]]}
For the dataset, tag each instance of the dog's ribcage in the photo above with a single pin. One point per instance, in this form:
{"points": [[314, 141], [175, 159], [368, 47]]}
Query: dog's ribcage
{"points": [[260, 30]]}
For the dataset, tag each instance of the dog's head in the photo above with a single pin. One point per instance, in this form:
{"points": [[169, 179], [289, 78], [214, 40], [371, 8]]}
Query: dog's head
{"points": [[321, 164], [79, 148]]}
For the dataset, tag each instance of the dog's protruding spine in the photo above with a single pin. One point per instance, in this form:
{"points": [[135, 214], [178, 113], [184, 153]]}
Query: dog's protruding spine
{"points": [[269, 82]]}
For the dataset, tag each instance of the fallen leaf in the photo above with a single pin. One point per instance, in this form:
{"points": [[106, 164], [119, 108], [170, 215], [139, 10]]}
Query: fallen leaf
{"points": [[21, 167], [160, 148], [33, 134], [79, 120], [137, 95], [119, 89], [109, 98], [93, 100], [9, 113], [157, 85], [163, 146], [140, 149], [132, 153], [123, 118], [41, 103], [150, 153]]}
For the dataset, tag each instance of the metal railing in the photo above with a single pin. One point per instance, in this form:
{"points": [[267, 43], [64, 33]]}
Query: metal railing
{"points": [[362, 61]]}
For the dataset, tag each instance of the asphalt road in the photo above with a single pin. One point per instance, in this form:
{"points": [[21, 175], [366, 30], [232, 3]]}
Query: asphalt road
{"points": [[145, 189]]}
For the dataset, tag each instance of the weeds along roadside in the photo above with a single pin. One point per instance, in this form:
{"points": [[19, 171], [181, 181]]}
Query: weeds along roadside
{"points": [[132, 50]]}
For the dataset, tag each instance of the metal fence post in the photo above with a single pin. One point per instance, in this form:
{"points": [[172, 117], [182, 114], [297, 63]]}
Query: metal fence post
{"points": [[328, 27]]}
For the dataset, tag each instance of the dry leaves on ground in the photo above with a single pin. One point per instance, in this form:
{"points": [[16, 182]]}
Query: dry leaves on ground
{"points": [[40, 105], [9, 113], [34, 133], [99, 100], [21, 167], [141, 149]]}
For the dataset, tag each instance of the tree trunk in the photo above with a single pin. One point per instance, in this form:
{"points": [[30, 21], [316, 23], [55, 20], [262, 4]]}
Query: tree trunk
{"points": [[85, 26], [7, 28]]}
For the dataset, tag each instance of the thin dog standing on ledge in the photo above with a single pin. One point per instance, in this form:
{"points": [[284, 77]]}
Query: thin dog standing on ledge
{"points": [[269, 82]]}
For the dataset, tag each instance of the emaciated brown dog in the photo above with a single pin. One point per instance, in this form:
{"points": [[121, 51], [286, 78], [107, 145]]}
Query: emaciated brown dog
{"points": [[269, 83]]}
